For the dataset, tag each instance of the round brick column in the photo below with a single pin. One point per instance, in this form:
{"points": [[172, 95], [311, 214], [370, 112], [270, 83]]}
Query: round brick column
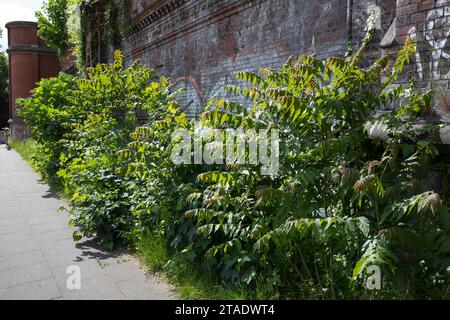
{"points": [[29, 61]]}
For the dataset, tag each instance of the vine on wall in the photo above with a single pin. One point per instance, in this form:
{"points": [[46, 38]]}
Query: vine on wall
{"points": [[92, 29], [103, 27], [116, 21]]}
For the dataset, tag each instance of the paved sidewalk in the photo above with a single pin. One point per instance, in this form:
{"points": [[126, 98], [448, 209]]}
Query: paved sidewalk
{"points": [[36, 247]]}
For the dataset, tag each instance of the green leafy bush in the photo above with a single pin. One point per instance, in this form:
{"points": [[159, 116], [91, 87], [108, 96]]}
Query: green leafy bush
{"points": [[342, 201], [80, 124], [112, 97], [48, 114], [52, 24]]}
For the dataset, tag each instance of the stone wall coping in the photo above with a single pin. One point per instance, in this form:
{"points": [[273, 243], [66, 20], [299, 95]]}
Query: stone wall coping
{"points": [[30, 49], [13, 24]]}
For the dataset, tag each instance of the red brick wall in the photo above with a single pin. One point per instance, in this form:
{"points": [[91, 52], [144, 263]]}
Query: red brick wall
{"points": [[428, 21], [23, 35], [29, 61], [23, 77], [202, 43]]}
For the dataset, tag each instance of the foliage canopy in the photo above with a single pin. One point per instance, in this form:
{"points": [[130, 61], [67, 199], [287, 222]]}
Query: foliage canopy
{"points": [[52, 24], [4, 90]]}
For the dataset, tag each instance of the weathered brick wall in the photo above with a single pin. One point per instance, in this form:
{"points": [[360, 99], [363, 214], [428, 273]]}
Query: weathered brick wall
{"points": [[429, 22], [202, 43]]}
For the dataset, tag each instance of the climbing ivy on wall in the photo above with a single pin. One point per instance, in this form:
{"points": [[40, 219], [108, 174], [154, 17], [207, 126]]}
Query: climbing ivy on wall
{"points": [[116, 19], [100, 36], [65, 24]]}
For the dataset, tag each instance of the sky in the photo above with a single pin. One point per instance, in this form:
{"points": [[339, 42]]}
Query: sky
{"points": [[16, 10]]}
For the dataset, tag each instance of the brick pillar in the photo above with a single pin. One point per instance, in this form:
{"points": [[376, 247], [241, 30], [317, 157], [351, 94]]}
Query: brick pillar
{"points": [[29, 61]]}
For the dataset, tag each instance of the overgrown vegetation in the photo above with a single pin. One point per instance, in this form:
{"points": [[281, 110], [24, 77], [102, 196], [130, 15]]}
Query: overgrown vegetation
{"points": [[62, 25], [341, 203], [27, 149], [4, 90], [52, 24]]}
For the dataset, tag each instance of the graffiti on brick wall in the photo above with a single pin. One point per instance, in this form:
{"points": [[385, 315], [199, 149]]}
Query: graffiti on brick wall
{"points": [[432, 46]]}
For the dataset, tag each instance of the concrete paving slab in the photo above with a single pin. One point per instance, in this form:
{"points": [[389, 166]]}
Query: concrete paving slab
{"points": [[100, 287], [141, 290], [11, 221], [39, 290], [14, 228], [89, 269], [15, 237], [21, 275], [55, 235], [45, 218], [127, 270], [51, 226], [19, 247], [36, 247], [21, 260]]}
